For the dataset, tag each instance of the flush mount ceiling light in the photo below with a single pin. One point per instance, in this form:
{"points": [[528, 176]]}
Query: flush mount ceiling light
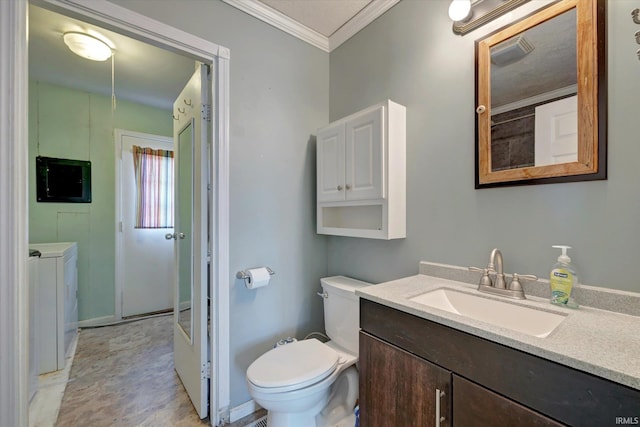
{"points": [[87, 46]]}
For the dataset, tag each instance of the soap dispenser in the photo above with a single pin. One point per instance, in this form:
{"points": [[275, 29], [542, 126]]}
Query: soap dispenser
{"points": [[563, 280]]}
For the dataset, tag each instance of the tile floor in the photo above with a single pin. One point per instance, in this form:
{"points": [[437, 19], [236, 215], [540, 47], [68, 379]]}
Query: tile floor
{"points": [[123, 376], [120, 376]]}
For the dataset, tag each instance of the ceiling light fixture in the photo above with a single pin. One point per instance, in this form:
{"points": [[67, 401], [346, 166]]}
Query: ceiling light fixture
{"points": [[87, 46], [459, 9]]}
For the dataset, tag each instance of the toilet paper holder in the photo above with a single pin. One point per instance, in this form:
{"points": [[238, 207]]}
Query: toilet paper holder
{"points": [[245, 276]]}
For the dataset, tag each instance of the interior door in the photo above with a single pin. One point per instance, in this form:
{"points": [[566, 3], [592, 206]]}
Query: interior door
{"points": [[190, 339], [556, 132]]}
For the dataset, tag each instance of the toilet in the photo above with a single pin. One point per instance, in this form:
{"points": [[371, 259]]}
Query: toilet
{"points": [[309, 383]]}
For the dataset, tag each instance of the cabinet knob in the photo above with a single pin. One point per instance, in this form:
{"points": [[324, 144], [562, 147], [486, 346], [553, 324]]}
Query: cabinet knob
{"points": [[339, 187], [348, 187]]}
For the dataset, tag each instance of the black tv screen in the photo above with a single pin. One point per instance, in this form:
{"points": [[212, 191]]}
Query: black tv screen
{"points": [[63, 180]]}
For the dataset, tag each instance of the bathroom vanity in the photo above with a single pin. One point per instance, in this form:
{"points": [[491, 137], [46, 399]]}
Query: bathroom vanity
{"points": [[423, 366]]}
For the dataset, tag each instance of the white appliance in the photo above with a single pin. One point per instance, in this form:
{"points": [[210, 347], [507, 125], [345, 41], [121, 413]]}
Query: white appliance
{"points": [[57, 303], [33, 342], [309, 383]]}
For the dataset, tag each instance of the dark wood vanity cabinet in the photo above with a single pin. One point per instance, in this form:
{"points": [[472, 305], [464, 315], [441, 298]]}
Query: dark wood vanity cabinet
{"points": [[411, 368], [398, 388]]}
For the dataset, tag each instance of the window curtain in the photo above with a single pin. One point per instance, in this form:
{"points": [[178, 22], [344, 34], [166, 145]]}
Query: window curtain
{"points": [[154, 187]]}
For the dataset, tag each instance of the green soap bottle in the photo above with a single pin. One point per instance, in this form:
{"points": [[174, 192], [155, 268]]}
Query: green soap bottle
{"points": [[563, 280]]}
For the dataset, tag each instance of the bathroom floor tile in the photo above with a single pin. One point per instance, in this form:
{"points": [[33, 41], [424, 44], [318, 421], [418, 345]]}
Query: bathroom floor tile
{"points": [[124, 376]]}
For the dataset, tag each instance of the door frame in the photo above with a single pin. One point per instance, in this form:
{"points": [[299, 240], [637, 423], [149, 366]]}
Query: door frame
{"points": [[14, 84], [119, 270]]}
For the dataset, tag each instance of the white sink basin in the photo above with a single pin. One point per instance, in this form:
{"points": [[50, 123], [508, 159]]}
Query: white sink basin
{"points": [[537, 323]]}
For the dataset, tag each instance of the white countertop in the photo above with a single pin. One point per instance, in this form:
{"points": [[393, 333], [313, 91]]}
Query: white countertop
{"points": [[51, 250], [600, 342]]}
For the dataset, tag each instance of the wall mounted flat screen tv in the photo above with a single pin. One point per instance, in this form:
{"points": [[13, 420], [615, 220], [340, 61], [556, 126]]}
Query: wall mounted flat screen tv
{"points": [[63, 180]]}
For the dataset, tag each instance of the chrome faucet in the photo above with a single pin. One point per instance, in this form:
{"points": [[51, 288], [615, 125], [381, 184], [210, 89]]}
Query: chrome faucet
{"points": [[496, 266], [499, 285]]}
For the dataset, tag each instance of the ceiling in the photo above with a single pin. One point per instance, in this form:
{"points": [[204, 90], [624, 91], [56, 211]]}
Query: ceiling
{"points": [[325, 24], [323, 16], [143, 74], [153, 76]]}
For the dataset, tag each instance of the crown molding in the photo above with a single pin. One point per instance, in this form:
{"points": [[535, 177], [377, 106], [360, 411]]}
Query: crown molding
{"points": [[363, 18], [281, 21]]}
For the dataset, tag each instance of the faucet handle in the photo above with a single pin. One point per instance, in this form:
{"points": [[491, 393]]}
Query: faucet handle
{"points": [[485, 280], [515, 282]]}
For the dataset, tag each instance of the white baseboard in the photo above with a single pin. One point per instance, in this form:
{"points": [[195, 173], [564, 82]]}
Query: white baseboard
{"points": [[97, 321], [243, 410]]}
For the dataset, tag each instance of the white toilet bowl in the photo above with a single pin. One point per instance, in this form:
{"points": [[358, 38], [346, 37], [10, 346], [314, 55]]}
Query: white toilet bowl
{"points": [[318, 389], [309, 383]]}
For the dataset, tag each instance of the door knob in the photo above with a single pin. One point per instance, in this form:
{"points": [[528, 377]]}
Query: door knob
{"points": [[170, 236]]}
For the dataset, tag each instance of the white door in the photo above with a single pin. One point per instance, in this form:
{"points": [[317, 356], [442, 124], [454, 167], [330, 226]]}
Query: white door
{"points": [[330, 164], [556, 132], [364, 156], [190, 339], [145, 271]]}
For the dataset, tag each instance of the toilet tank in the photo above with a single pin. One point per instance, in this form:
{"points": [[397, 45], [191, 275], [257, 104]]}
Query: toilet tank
{"points": [[342, 311]]}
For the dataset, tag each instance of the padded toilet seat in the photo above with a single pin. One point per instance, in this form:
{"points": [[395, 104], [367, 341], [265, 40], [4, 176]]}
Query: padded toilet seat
{"points": [[293, 366]]}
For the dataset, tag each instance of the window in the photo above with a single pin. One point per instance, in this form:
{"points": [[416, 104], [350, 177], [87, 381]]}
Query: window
{"points": [[154, 187]]}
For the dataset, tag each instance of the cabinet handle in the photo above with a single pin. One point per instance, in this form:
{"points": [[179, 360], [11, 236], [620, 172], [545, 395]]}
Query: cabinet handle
{"points": [[348, 187], [339, 187], [439, 419]]}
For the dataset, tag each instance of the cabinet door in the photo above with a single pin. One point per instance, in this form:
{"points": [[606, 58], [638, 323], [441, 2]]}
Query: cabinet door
{"points": [[364, 156], [476, 406], [330, 164], [400, 389]]}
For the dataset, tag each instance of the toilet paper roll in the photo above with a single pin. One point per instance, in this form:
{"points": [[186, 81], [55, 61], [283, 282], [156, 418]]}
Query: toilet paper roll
{"points": [[258, 277]]}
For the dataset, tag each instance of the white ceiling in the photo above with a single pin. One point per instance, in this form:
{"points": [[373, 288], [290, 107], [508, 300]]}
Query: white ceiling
{"points": [[144, 74], [323, 16], [152, 76]]}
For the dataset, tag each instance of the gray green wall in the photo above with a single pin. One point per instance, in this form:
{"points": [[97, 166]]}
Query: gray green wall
{"points": [[72, 124], [411, 56], [279, 96]]}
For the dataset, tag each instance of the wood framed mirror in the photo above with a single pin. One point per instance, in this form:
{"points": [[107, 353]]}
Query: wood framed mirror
{"points": [[541, 98]]}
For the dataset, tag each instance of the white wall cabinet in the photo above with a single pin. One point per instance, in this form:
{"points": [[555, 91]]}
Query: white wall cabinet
{"points": [[57, 303], [361, 174]]}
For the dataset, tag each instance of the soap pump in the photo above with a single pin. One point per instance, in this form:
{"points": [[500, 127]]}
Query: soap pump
{"points": [[563, 280]]}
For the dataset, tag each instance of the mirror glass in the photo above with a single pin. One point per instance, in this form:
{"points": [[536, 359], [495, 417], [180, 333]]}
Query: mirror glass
{"points": [[533, 77], [184, 220], [540, 82]]}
